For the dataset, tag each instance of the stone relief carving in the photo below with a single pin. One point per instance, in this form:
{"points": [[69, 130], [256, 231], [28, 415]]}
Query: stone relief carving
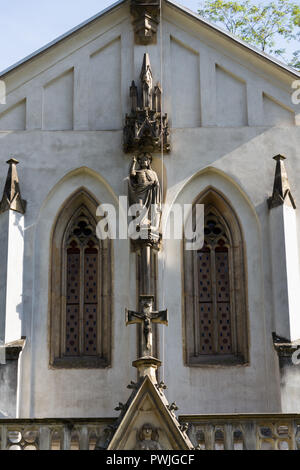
{"points": [[146, 129], [145, 14], [147, 438]]}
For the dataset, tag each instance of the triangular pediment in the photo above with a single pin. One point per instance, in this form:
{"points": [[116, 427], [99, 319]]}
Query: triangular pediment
{"points": [[81, 80], [148, 424]]}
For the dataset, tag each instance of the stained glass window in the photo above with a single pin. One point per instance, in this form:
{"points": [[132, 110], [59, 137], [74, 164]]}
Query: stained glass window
{"points": [[214, 290], [81, 303], [82, 290], [215, 303]]}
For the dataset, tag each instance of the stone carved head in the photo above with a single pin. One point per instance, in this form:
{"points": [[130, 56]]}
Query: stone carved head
{"points": [[147, 433], [145, 160]]}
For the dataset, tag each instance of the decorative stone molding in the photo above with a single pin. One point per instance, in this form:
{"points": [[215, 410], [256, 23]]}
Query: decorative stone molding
{"points": [[145, 20], [281, 188], [146, 129], [11, 199]]}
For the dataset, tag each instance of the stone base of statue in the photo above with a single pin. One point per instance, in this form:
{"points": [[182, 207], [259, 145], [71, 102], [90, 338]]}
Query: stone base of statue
{"points": [[148, 236]]}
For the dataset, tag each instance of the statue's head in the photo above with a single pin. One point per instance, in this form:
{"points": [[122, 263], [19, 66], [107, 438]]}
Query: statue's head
{"points": [[145, 160]]}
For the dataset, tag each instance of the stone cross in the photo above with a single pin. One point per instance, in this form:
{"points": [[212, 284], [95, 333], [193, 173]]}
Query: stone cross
{"points": [[147, 316]]}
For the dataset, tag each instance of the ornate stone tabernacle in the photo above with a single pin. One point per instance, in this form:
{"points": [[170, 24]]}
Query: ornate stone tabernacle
{"points": [[146, 129]]}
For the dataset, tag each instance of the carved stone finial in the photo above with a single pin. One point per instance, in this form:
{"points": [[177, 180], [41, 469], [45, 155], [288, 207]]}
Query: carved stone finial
{"points": [[120, 407], [11, 199], [281, 189], [133, 385], [147, 82], [173, 407], [145, 15], [161, 386], [184, 427], [146, 129]]}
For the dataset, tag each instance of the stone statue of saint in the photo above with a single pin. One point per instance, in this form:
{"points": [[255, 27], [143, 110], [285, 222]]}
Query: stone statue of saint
{"points": [[147, 438], [144, 190]]}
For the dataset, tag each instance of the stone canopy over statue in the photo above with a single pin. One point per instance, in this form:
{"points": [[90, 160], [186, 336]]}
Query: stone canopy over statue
{"points": [[144, 190], [146, 126]]}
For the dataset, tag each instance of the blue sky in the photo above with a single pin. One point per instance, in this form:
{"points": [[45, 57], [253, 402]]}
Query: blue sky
{"points": [[27, 25]]}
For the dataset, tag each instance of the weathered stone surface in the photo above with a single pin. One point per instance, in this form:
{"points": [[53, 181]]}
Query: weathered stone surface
{"points": [[145, 16]]}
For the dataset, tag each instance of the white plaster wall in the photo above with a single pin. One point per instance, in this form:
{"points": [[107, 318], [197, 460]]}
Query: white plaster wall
{"points": [[14, 118], [185, 86], [58, 103], [238, 386], [12, 251], [56, 163], [105, 75], [231, 100]]}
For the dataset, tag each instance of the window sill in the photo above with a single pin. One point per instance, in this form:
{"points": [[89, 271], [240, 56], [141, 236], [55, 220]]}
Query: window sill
{"points": [[216, 360]]}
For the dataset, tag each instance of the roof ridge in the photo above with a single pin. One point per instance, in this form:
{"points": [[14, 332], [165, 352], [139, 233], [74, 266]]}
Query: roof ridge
{"points": [[173, 3]]}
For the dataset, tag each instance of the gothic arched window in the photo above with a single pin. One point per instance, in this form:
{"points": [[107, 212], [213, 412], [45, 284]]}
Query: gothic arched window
{"points": [[80, 317], [215, 293]]}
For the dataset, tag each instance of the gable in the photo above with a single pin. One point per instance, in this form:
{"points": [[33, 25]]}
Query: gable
{"points": [[148, 407]]}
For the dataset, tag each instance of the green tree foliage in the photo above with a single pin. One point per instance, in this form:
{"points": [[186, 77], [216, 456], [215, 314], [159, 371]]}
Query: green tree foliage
{"points": [[258, 24]]}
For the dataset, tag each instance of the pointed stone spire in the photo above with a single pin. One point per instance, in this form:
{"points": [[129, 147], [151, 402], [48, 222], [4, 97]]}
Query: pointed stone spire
{"points": [[133, 97], [146, 71], [11, 199], [281, 189], [157, 98]]}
